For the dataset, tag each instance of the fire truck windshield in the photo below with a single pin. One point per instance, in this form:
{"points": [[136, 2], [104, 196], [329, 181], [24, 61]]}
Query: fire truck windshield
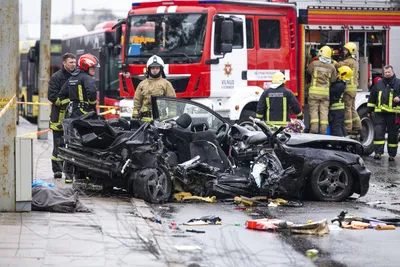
{"points": [[178, 38]]}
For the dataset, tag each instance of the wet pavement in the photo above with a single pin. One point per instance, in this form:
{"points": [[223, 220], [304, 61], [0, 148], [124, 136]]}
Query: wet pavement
{"points": [[116, 234], [231, 244]]}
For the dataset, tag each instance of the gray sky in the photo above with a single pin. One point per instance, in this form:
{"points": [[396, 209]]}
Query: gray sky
{"points": [[63, 8]]}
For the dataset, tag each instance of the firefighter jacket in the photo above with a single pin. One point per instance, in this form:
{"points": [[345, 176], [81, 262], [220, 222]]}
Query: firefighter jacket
{"points": [[274, 105], [145, 90], [336, 95], [56, 82], [322, 75], [80, 89], [382, 95], [351, 87]]}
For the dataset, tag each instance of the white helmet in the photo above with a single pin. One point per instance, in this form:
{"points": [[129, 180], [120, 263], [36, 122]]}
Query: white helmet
{"points": [[155, 61]]}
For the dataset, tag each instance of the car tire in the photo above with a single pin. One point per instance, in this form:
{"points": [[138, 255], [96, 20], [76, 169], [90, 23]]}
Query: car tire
{"points": [[331, 175], [367, 131], [367, 136], [152, 185]]}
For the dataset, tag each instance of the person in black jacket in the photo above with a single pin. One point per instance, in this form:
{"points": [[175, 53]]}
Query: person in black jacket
{"points": [[384, 103], [80, 90], [336, 105], [57, 114], [275, 103]]}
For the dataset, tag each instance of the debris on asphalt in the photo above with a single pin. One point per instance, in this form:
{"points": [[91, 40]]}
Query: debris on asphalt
{"points": [[267, 224], [188, 197], [187, 248], [385, 227], [312, 253], [195, 231], [316, 228], [353, 222], [205, 220]]}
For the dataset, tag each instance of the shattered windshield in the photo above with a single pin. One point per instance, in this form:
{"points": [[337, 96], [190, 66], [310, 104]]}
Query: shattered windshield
{"points": [[177, 38], [173, 109]]}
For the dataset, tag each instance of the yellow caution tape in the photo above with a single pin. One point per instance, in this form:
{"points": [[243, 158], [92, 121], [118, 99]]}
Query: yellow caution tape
{"points": [[49, 104], [8, 105], [36, 133]]}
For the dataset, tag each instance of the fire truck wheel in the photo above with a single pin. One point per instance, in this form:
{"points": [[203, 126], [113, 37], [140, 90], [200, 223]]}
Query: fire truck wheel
{"points": [[152, 185], [367, 131]]}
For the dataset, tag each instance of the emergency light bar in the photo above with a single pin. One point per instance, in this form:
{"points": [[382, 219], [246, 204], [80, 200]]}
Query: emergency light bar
{"points": [[138, 3]]}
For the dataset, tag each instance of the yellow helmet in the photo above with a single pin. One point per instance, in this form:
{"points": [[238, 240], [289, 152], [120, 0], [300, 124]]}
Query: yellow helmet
{"points": [[351, 47], [325, 51], [278, 78], [345, 73]]}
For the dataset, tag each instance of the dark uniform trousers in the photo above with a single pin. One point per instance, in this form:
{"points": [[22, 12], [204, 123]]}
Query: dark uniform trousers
{"points": [[385, 121], [58, 141], [336, 122]]}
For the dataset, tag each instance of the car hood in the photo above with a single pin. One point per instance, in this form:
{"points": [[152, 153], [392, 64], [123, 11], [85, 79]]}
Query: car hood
{"points": [[304, 138]]}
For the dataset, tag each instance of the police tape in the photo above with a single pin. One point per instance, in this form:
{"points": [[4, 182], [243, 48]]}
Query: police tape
{"points": [[36, 133], [9, 103], [49, 104], [48, 130]]}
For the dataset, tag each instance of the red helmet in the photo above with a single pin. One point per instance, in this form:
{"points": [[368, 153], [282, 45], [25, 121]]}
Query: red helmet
{"points": [[376, 79], [87, 61]]}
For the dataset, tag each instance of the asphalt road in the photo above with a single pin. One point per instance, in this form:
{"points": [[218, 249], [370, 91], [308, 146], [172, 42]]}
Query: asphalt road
{"points": [[232, 245]]}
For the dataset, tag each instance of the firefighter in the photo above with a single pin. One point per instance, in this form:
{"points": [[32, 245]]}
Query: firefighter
{"points": [[80, 90], [323, 73], [351, 119], [273, 105], [57, 114], [155, 84], [384, 103], [336, 105]]}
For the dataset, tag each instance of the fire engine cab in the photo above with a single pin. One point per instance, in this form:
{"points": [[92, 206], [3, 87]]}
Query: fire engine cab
{"points": [[219, 53], [222, 53]]}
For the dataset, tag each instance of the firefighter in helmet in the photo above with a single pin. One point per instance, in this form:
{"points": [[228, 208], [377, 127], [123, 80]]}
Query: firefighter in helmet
{"points": [[81, 90], [154, 85], [323, 73], [384, 102], [273, 105], [336, 105], [351, 119]]}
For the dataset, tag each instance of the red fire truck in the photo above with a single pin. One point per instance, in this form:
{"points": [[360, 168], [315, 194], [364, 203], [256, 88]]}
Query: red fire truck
{"points": [[101, 43], [223, 53]]}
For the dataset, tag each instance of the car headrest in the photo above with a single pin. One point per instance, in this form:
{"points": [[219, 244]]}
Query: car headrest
{"points": [[200, 126], [184, 120]]}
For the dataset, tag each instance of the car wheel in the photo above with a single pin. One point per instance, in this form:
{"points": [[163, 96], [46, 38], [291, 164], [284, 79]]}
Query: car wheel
{"points": [[331, 181], [152, 185]]}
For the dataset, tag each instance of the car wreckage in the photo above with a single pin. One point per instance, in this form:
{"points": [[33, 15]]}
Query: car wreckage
{"points": [[189, 147]]}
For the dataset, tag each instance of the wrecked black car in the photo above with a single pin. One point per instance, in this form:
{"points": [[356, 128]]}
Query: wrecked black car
{"points": [[116, 153], [258, 162], [189, 147]]}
